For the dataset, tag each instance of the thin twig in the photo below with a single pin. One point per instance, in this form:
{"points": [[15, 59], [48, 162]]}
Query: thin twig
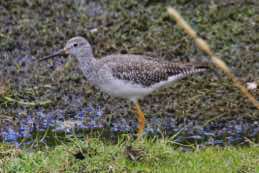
{"points": [[203, 45]]}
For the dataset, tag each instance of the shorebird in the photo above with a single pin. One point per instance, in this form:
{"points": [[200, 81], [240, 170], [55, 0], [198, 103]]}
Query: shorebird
{"points": [[126, 75]]}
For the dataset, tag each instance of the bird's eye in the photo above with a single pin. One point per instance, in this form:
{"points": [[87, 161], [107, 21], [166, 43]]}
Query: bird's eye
{"points": [[75, 45]]}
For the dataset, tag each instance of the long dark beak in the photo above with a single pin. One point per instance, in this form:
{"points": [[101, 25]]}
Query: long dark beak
{"points": [[60, 52]]}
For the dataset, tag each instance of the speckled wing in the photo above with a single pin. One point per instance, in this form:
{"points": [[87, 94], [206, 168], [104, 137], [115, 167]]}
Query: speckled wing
{"points": [[147, 72]]}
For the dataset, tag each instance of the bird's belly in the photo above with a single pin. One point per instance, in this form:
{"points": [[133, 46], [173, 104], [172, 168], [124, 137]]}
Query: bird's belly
{"points": [[124, 89]]}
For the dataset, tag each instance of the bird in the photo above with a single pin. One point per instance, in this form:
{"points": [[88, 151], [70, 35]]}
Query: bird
{"points": [[128, 76]]}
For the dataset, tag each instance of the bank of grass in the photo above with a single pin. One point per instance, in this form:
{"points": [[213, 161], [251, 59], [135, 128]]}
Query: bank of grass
{"points": [[96, 155]]}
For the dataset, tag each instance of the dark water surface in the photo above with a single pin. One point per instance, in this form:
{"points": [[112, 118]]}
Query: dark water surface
{"points": [[26, 127]]}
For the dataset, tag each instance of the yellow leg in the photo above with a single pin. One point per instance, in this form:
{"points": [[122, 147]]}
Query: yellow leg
{"points": [[141, 119]]}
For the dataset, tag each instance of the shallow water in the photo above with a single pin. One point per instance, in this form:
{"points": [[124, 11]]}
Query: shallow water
{"points": [[28, 126]]}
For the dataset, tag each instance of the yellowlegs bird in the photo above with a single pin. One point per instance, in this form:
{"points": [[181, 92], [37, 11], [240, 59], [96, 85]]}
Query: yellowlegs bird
{"points": [[127, 75]]}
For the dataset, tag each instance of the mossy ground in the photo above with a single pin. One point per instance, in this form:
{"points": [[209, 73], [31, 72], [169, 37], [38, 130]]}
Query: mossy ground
{"points": [[38, 28]]}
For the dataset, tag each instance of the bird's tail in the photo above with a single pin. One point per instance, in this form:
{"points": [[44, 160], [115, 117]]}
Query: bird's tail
{"points": [[191, 68], [205, 67]]}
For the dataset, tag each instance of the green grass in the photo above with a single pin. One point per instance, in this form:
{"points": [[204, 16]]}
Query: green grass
{"points": [[129, 156]]}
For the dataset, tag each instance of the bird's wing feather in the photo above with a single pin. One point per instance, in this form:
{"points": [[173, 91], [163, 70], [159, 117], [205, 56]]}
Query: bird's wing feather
{"points": [[142, 70]]}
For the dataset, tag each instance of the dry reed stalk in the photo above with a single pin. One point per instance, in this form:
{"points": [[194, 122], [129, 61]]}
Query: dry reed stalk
{"points": [[203, 45]]}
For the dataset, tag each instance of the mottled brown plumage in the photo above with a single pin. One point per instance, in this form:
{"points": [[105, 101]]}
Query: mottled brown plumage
{"points": [[147, 72]]}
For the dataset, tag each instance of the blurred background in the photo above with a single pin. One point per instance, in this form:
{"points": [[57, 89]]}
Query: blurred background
{"points": [[35, 96]]}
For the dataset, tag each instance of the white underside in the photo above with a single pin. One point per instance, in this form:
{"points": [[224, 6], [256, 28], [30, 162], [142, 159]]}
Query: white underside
{"points": [[125, 89]]}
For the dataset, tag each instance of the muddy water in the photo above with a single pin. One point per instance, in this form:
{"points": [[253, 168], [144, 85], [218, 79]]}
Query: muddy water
{"points": [[28, 126]]}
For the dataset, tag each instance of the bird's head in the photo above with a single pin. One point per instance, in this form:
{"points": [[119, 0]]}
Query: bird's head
{"points": [[76, 46]]}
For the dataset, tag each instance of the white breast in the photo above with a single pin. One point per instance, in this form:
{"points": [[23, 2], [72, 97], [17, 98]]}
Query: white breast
{"points": [[125, 89]]}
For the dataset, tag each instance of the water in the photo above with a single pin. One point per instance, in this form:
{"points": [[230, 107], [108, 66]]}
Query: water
{"points": [[91, 118]]}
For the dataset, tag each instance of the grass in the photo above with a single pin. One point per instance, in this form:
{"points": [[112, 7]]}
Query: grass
{"points": [[96, 155]]}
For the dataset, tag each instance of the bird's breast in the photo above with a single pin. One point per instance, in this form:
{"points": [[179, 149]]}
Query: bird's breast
{"points": [[124, 89]]}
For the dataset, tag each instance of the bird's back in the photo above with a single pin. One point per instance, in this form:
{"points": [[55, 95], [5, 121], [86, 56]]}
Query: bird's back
{"points": [[145, 71]]}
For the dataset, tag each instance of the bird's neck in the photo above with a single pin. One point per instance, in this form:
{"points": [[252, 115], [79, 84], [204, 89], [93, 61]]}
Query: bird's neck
{"points": [[87, 63]]}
